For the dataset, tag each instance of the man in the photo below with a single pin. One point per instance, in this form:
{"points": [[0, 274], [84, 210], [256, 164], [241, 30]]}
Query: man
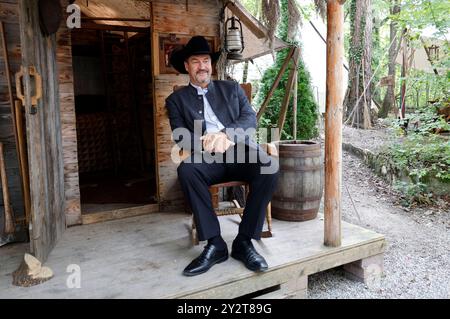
{"points": [[219, 107]]}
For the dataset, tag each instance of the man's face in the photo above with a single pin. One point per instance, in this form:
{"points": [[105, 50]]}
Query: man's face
{"points": [[199, 69]]}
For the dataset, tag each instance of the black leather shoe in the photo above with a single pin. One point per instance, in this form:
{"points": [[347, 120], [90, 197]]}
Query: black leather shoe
{"points": [[208, 258], [245, 252]]}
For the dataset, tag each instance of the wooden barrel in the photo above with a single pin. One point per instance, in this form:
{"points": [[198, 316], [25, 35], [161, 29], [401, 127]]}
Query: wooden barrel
{"points": [[300, 184]]}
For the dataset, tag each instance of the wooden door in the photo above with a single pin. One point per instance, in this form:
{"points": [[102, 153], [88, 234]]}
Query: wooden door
{"points": [[43, 132]]}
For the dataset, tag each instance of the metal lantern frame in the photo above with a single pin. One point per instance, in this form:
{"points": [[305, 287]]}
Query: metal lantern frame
{"points": [[232, 54]]}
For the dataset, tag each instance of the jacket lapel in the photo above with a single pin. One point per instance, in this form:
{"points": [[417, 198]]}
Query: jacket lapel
{"points": [[193, 98], [213, 101]]}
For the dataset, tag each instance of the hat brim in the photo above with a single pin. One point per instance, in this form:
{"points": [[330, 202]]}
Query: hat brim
{"points": [[180, 55]]}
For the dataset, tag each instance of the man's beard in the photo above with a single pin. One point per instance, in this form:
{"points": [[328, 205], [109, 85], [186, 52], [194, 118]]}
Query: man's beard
{"points": [[206, 79]]}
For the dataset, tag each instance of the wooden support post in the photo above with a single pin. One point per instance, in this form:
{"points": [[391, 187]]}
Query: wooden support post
{"points": [[289, 86], [297, 288], [294, 132], [333, 122], [294, 288], [368, 270]]}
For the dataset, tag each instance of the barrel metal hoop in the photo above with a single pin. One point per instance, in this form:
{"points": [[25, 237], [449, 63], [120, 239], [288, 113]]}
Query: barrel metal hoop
{"points": [[291, 215], [300, 169], [296, 199], [299, 154]]}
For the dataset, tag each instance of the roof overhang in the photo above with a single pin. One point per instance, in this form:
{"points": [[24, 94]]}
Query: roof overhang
{"points": [[254, 32]]}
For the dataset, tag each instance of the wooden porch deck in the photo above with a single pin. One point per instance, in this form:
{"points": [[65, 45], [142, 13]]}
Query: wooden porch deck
{"points": [[143, 257]]}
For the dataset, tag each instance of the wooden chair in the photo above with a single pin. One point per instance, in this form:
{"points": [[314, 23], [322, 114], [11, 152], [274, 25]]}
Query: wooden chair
{"points": [[214, 189], [236, 210]]}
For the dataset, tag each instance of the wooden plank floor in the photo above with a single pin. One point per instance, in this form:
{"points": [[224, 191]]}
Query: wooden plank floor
{"points": [[143, 257]]}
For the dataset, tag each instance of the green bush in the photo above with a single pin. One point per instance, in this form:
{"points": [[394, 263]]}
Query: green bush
{"points": [[306, 105], [421, 154]]}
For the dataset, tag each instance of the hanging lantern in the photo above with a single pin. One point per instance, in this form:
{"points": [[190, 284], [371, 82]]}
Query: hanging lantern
{"points": [[234, 39]]}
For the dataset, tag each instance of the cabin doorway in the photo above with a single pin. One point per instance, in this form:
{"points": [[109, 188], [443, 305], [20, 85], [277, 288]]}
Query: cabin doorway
{"points": [[114, 118]]}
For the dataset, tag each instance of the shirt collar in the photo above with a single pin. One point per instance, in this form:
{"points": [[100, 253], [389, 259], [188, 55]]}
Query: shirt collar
{"points": [[200, 90]]}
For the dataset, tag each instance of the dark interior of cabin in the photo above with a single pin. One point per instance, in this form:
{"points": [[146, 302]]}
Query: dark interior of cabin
{"points": [[114, 115]]}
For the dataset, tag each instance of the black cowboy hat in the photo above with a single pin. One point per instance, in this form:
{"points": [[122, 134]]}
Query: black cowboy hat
{"points": [[196, 45]]}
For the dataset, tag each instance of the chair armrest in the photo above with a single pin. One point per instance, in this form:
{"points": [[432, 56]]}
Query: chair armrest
{"points": [[270, 149]]}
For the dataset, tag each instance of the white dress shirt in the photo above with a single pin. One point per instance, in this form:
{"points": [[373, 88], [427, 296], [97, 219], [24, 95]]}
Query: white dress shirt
{"points": [[213, 124]]}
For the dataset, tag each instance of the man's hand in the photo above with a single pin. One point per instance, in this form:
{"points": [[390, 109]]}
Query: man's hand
{"points": [[216, 142]]}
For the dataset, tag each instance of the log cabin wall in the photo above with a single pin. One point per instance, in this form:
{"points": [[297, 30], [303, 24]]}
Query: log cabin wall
{"points": [[198, 17], [9, 14], [68, 122]]}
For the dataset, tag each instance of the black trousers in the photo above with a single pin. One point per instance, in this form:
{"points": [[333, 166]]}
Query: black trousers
{"points": [[198, 172]]}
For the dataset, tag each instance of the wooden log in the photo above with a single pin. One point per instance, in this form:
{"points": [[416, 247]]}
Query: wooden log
{"points": [[31, 273], [333, 123]]}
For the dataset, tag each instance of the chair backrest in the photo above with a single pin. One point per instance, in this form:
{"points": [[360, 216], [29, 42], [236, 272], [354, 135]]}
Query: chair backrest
{"points": [[247, 87]]}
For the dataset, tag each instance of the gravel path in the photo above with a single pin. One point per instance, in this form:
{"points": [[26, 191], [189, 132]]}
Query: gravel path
{"points": [[372, 139], [417, 259]]}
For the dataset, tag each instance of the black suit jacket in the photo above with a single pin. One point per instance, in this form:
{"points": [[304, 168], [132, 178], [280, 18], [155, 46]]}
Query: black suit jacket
{"points": [[228, 101]]}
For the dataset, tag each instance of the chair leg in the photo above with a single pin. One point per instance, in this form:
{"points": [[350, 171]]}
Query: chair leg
{"points": [[268, 233], [194, 233], [269, 216]]}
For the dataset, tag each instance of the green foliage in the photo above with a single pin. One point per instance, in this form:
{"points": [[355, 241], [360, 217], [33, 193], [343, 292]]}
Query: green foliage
{"points": [[253, 6], [417, 15], [306, 105], [414, 193], [425, 87]]}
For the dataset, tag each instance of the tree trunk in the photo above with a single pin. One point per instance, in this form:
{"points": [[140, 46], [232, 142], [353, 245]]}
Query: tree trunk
{"points": [[389, 98], [403, 87], [359, 93]]}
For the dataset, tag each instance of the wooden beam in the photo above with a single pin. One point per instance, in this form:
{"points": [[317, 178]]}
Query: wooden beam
{"points": [[333, 123], [115, 19], [108, 27], [113, 214], [289, 86], [256, 27], [275, 84], [294, 132]]}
